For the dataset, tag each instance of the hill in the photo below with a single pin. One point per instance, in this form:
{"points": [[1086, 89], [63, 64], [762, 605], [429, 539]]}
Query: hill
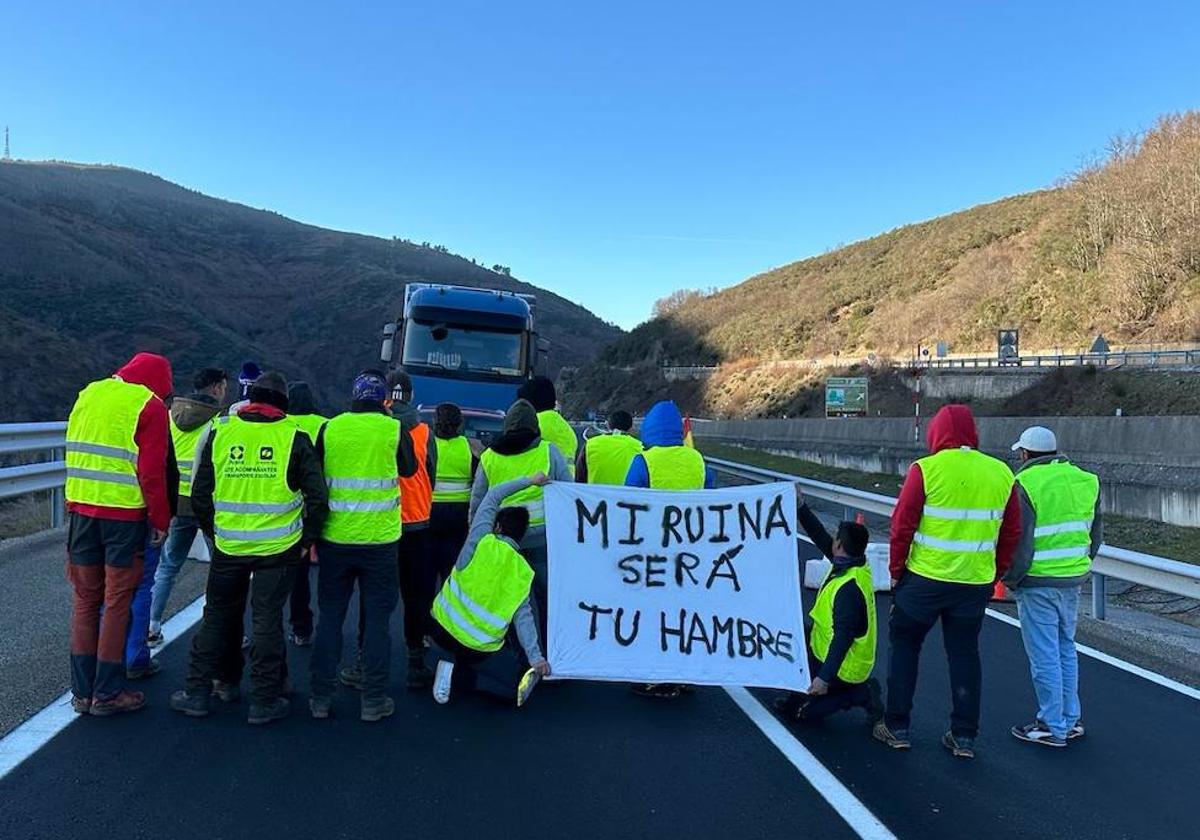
{"points": [[1114, 250], [97, 262]]}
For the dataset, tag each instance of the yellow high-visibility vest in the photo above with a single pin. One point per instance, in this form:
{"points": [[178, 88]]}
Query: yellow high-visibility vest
{"points": [[1064, 498], [675, 468], [558, 431], [966, 493], [609, 457], [363, 480], [477, 604], [257, 514], [860, 658], [501, 468], [102, 452], [453, 480]]}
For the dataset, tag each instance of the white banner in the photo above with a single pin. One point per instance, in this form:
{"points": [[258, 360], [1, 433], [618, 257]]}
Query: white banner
{"points": [[675, 586]]}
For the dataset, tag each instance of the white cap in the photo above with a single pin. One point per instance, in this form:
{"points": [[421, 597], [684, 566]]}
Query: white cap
{"points": [[1037, 439]]}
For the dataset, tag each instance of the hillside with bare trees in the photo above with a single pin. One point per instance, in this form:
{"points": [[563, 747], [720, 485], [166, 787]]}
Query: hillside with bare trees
{"points": [[1113, 250]]}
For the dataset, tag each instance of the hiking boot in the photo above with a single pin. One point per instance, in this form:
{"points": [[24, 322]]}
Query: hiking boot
{"points": [[1037, 733], [1075, 731], [149, 670], [419, 675], [666, 691], [874, 707], [301, 639], [192, 705], [897, 739], [960, 746], [154, 639], [321, 707], [442, 681], [377, 709], [352, 676], [261, 713], [528, 683], [81, 705], [125, 701], [226, 692]]}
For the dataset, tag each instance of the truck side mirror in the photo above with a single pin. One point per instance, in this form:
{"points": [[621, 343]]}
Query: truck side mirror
{"points": [[388, 348], [543, 345]]}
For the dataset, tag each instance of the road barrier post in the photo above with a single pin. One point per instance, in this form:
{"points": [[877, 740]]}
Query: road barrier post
{"points": [[1099, 591], [58, 500]]}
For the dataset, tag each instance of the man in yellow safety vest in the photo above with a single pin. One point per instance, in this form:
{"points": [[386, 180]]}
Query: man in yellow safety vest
{"points": [[487, 592], [1061, 532], [302, 410], [605, 459], [954, 529], [258, 493], [117, 495], [457, 461], [364, 452]]}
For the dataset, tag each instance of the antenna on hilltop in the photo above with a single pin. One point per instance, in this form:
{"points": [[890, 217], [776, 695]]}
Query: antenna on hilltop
{"points": [[7, 153]]}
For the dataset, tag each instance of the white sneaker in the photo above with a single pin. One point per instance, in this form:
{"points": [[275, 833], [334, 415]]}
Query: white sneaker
{"points": [[528, 682], [441, 681]]}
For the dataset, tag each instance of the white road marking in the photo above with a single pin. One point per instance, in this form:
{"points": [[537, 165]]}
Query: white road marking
{"points": [[849, 807], [36, 732], [1136, 670]]}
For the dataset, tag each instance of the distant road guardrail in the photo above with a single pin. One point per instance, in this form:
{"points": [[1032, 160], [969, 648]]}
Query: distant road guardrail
{"points": [[22, 438], [1119, 359], [1119, 563]]}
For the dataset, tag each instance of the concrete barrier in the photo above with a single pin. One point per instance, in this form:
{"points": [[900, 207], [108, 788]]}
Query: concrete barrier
{"points": [[1149, 466]]}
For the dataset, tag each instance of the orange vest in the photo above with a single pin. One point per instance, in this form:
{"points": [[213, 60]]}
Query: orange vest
{"points": [[416, 492]]}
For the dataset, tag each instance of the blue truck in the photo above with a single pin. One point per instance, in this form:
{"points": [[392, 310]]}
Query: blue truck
{"points": [[470, 346]]}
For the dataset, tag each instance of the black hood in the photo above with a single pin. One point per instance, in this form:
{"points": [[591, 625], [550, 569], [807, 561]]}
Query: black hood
{"points": [[301, 399]]}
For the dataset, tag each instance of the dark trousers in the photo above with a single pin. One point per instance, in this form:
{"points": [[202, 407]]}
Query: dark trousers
{"points": [[216, 646], [373, 568], [417, 581], [840, 697], [917, 604], [497, 674], [104, 567], [537, 558], [300, 614], [447, 534]]}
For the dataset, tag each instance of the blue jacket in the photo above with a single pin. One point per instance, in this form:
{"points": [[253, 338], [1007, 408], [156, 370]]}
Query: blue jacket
{"points": [[662, 426]]}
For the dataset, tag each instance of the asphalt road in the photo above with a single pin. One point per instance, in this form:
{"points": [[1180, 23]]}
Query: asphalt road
{"points": [[593, 760]]}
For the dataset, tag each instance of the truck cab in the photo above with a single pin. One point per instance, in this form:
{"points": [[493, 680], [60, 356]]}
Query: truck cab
{"points": [[469, 346]]}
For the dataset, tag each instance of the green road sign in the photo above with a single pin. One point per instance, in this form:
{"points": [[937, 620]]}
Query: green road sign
{"points": [[846, 396]]}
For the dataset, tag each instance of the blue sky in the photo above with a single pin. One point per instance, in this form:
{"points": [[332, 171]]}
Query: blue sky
{"points": [[611, 152]]}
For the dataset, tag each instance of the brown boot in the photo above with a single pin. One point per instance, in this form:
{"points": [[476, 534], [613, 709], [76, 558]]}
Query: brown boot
{"points": [[81, 705], [126, 701]]}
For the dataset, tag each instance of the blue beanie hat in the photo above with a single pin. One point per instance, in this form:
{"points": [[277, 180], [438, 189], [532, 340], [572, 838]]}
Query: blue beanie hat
{"points": [[369, 386]]}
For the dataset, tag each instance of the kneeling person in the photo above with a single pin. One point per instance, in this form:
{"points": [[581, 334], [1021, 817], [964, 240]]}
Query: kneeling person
{"points": [[841, 639], [486, 594]]}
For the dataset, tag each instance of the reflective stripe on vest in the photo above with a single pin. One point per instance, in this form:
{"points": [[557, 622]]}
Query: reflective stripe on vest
{"points": [[558, 431], [257, 514], [310, 424], [501, 468], [361, 474], [184, 444], [674, 468], [860, 658], [453, 482], [477, 603], [1063, 498], [609, 456], [102, 454], [416, 491], [966, 493]]}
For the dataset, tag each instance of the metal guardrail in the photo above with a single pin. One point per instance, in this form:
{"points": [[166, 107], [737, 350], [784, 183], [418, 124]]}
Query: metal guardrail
{"points": [[16, 438], [1120, 563], [1125, 358]]}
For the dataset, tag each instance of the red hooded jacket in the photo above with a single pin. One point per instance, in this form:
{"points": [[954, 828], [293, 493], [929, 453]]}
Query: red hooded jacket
{"points": [[951, 427], [153, 438]]}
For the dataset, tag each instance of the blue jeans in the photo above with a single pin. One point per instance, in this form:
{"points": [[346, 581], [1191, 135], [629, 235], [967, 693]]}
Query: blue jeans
{"points": [[137, 654], [1048, 616], [174, 555]]}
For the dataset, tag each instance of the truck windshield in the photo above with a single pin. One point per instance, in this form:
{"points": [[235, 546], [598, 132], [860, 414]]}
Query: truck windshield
{"points": [[463, 349]]}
